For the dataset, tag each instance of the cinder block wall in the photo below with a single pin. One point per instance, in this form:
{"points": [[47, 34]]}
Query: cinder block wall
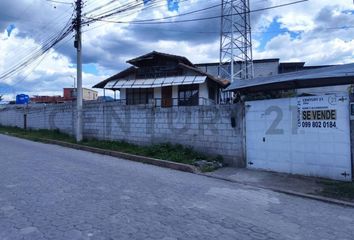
{"points": [[208, 129]]}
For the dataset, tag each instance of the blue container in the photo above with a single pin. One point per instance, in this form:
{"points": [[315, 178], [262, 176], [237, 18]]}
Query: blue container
{"points": [[22, 99]]}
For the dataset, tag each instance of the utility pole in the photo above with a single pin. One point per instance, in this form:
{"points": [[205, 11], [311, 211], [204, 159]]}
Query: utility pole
{"points": [[79, 93]]}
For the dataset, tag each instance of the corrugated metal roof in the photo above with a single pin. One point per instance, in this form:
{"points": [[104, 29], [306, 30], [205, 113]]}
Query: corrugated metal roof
{"points": [[327, 76], [153, 83]]}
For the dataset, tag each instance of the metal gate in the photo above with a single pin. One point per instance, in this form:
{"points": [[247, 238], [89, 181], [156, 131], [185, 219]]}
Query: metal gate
{"points": [[306, 135]]}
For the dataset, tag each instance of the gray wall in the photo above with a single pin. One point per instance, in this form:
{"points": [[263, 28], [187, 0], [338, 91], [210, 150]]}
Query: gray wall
{"points": [[206, 128], [261, 69], [352, 145]]}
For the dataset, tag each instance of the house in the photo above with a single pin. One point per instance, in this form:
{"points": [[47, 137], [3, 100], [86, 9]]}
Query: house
{"points": [[88, 94], [164, 80]]}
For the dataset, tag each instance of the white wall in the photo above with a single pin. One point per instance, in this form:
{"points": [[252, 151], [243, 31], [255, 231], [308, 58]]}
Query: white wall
{"points": [[175, 95], [203, 93], [123, 94], [261, 69], [279, 139], [157, 96]]}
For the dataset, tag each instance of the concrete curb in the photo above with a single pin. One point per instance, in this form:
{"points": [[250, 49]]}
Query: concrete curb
{"points": [[184, 168], [288, 192], [132, 157], [136, 158]]}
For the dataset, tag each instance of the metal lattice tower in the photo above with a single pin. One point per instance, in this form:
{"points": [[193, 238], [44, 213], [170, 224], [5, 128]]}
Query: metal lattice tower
{"points": [[236, 60]]}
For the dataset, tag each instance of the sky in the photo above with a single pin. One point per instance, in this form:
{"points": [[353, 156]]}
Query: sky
{"points": [[318, 32]]}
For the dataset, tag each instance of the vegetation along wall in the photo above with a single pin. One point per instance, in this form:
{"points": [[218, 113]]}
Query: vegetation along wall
{"points": [[215, 130]]}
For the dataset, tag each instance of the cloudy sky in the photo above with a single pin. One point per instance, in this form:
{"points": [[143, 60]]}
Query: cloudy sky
{"points": [[317, 32]]}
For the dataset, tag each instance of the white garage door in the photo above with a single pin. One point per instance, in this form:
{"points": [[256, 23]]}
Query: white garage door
{"points": [[306, 135]]}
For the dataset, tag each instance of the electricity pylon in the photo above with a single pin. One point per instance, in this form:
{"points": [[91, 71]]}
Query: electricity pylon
{"points": [[236, 60]]}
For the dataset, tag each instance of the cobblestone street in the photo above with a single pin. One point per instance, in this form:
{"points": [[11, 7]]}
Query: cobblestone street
{"points": [[51, 192]]}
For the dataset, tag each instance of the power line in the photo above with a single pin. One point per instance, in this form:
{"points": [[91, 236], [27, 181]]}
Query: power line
{"points": [[39, 41], [37, 65], [218, 32], [26, 61], [124, 9], [153, 21], [61, 2], [179, 15], [46, 46]]}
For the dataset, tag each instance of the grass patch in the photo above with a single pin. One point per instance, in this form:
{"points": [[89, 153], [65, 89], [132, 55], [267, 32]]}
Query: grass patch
{"points": [[339, 190], [170, 152], [37, 134]]}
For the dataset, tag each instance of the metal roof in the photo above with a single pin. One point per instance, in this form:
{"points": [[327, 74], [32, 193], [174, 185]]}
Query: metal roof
{"points": [[150, 56], [155, 82], [326, 76], [239, 62], [124, 79]]}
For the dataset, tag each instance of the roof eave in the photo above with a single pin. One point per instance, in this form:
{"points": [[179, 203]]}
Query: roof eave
{"points": [[103, 83], [222, 82], [296, 84]]}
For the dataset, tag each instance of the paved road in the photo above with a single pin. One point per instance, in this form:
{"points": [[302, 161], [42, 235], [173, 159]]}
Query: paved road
{"points": [[50, 192]]}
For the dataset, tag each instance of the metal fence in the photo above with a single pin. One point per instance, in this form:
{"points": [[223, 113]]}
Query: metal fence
{"points": [[170, 102]]}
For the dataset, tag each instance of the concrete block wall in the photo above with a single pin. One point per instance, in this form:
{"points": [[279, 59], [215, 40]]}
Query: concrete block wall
{"points": [[265, 69], [207, 129], [261, 69]]}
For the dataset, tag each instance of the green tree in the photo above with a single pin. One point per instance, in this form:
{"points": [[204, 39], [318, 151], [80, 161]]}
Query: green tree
{"points": [[0, 98]]}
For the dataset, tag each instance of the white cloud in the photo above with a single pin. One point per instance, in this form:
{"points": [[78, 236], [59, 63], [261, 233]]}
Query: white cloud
{"points": [[45, 76], [108, 46], [319, 42]]}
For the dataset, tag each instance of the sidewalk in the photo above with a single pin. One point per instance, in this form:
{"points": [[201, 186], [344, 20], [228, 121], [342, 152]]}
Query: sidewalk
{"points": [[290, 184]]}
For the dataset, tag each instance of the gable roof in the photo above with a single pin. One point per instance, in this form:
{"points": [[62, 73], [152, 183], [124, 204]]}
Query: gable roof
{"points": [[318, 77], [222, 82], [114, 77], [183, 63], [121, 77], [154, 54]]}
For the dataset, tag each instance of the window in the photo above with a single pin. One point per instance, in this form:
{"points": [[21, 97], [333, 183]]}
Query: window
{"points": [[73, 93], [212, 91], [188, 95], [139, 96]]}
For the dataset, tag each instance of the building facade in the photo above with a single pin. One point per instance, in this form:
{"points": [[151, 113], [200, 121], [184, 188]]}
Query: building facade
{"points": [[47, 99], [165, 80], [88, 94], [262, 67]]}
